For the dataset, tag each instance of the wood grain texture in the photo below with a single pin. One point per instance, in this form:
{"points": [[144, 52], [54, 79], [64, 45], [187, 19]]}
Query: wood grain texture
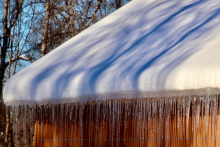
{"points": [[131, 125]]}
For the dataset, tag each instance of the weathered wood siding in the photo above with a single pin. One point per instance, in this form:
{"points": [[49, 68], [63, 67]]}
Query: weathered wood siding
{"points": [[147, 122]]}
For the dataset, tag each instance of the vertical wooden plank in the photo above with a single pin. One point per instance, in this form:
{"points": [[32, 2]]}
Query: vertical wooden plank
{"points": [[152, 137]]}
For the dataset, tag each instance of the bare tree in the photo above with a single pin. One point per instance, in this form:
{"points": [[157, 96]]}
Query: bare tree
{"points": [[9, 20], [11, 49], [46, 24], [7, 26], [63, 20]]}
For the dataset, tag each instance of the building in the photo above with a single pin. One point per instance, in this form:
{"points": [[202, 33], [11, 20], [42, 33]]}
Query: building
{"points": [[146, 75]]}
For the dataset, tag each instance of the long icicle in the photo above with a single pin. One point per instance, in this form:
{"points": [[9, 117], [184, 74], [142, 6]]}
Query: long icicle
{"points": [[176, 121]]}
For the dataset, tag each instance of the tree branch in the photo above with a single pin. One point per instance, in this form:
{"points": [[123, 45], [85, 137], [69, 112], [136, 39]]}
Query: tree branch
{"points": [[22, 57], [17, 13], [93, 16]]}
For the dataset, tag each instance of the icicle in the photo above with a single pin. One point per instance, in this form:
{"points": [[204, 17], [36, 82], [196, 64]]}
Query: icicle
{"points": [[53, 124], [97, 122], [57, 120], [69, 126], [110, 122], [178, 115], [161, 120], [125, 118], [43, 121], [65, 124], [143, 120], [139, 122], [15, 127], [113, 121], [193, 117], [34, 112], [218, 113], [128, 117], [182, 118], [132, 122], [134, 107], [136, 126], [104, 111], [143, 123], [213, 118], [168, 104], [81, 109], [61, 124], [90, 122], [197, 115], [155, 120], [118, 124], [30, 122], [120, 113], [39, 122], [149, 116], [202, 116], [18, 123], [207, 101], [14, 122], [187, 104], [75, 121], [24, 122]]}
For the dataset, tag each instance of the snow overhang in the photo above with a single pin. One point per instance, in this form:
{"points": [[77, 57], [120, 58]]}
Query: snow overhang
{"points": [[145, 49]]}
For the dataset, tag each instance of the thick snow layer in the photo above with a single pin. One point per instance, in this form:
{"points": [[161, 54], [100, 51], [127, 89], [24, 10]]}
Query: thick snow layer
{"points": [[146, 48]]}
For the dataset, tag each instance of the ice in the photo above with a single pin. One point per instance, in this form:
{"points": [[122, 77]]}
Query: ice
{"points": [[185, 120], [207, 102], [24, 122]]}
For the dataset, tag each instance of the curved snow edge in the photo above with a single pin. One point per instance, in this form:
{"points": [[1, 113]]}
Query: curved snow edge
{"points": [[118, 95]]}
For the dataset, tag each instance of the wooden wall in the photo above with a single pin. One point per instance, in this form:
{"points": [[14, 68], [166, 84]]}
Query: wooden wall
{"points": [[165, 122]]}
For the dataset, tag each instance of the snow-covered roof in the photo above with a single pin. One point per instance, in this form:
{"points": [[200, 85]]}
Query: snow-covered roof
{"points": [[146, 48]]}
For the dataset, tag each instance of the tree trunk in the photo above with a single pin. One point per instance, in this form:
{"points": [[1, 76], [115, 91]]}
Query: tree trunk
{"points": [[7, 126], [6, 35], [45, 33], [11, 54], [72, 21], [18, 48]]}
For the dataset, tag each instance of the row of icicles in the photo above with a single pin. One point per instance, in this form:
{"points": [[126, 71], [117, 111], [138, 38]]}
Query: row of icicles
{"points": [[160, 122]]}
